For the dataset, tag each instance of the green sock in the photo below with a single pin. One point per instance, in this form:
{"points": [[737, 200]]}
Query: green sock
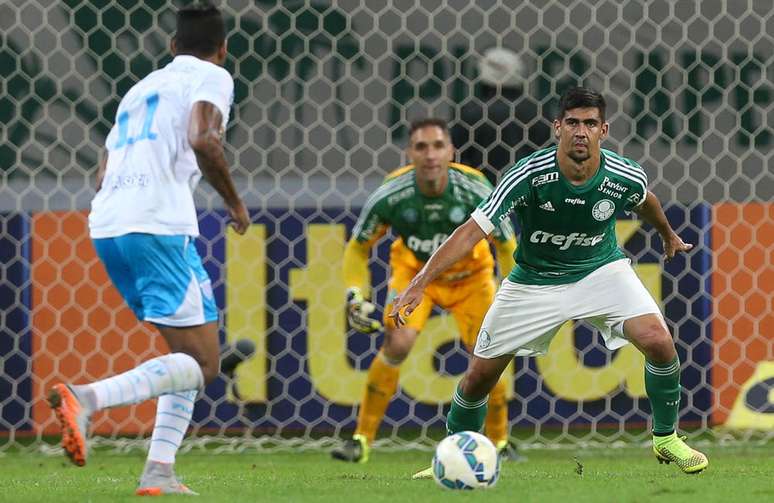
{"points": [[465, 414], [662, 383]]}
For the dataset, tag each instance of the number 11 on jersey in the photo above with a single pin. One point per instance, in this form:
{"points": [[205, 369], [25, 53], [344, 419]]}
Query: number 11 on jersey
{"points": [[152, 103]]}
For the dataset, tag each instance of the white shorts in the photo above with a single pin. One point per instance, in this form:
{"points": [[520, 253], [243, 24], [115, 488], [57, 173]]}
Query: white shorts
{"points": [[523, 319]]}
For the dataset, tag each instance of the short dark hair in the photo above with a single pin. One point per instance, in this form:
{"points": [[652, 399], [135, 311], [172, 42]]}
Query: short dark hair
{"points": [[200, 29], [429, 122], [581, 97]]}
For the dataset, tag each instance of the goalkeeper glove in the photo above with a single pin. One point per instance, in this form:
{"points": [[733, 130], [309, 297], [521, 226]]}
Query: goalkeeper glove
{"points": [[358, 311]]}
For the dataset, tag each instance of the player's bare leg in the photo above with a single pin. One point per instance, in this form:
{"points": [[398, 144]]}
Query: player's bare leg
{"points": [[381, 386], [662, 383], [468, 408]]}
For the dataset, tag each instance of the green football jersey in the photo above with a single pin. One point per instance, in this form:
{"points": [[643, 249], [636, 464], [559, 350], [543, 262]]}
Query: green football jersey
{"points": [[567, 231], [423, 222]]}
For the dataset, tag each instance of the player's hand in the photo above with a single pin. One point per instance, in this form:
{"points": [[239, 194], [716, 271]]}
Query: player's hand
{"points": [[405, 303], [240, 219], [358, 312], [674, 245]]}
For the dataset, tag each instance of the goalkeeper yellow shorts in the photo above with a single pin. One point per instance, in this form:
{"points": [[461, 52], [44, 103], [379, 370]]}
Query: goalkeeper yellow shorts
{"points": [[467, 300]]}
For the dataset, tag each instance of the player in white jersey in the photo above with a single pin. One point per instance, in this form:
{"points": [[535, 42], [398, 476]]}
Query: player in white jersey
{"points": [[168, 132], [568, 267]]}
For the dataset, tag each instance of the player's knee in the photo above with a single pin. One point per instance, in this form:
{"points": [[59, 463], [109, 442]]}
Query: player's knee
{"points": [[210, 371], [209, 366], [395, 354], [397, 345], [657, 344]]}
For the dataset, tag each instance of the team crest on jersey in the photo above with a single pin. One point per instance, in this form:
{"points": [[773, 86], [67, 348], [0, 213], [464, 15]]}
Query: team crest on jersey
{"points": [[484, 340], [457, 215], [603, 210], [410, 215]]}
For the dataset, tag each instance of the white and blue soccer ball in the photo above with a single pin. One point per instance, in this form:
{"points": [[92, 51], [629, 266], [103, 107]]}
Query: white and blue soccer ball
{"points": [[466, 460]]}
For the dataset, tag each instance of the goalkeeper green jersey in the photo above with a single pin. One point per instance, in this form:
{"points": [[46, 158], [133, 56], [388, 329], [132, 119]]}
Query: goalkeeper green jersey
{"points": [[423, 222], [567, 231]]}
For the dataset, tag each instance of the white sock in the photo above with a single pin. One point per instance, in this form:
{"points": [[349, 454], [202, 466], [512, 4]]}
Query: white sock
{"points": [[173, 414], [155, 377]]}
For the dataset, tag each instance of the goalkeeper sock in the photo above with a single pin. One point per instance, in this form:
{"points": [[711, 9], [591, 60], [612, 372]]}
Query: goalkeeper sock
{"points": [[496, 423], [662, 383], [465, 414], [380, 388], [173, 414], [155, 377]]}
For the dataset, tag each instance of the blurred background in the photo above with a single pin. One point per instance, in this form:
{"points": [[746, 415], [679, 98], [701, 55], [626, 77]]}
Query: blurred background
{"points": [[324, 94]]}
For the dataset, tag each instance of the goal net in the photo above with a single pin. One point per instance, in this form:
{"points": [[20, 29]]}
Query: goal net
{"points": [[324, 93]]}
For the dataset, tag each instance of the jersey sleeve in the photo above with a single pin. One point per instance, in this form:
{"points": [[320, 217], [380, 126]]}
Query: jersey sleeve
{"points": [[371, 221], [635, 178], [481, 188], [512, 191], [217, 87]]}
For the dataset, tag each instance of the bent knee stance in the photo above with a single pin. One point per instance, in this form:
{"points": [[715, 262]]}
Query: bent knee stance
{"points": [[656, 344], [397, 345], [210, 368]]}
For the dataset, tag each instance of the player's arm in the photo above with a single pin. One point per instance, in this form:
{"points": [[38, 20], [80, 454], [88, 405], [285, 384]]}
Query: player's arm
{"points": [[459, 244], [650, 210], [502, 236], [206, 139], [101, 170], [355, 269], [357, 277]]}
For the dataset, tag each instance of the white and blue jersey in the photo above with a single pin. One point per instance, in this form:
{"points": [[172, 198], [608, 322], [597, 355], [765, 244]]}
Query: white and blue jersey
{"points": [[151, 170], [143, 218]]}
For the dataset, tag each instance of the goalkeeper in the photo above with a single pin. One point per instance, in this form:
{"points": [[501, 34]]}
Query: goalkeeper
{"points": [[423, 203]]}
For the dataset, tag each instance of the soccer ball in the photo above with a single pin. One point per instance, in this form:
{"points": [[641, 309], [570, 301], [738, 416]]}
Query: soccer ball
{"points": [[466, 460], [501, 67]]}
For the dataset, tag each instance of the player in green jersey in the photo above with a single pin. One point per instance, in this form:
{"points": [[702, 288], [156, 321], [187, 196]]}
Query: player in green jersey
{"points": [[568, 267], [423, 203]]}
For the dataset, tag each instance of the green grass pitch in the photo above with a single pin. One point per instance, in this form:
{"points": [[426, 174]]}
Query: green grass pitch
{"points": [[741, 474]]}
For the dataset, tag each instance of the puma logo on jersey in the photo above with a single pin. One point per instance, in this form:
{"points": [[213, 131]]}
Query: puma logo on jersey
{"points": [[547, 206], [566, 241], [426, 245]]}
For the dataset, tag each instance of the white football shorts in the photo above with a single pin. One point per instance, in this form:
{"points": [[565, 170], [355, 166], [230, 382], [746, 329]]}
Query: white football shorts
{"points": [[523, 319]]}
